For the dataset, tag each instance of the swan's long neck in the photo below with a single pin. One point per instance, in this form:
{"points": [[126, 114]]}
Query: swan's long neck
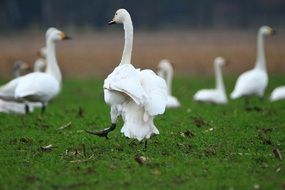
{"points": [[168, 79], [260, 60], [52, 66], [219, 78], [127, 53]]}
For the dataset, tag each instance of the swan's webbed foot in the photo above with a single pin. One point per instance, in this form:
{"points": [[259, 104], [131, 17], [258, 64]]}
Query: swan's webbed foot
{"points": [[104, 132]]}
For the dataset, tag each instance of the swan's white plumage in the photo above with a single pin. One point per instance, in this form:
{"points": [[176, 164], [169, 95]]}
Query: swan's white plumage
{"points": [[217, 95], [254, 82], [44, 89], [138, 96], [165, 70], [126, 79], [278, 94], [250, 83]]}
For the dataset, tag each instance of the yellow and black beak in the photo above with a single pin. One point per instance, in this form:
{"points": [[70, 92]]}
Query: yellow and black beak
{"points": [[272, 32], [111, 22], [65, 37]]}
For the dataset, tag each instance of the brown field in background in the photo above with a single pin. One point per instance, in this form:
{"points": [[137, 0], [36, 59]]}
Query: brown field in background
{"points": [[91, 54]]}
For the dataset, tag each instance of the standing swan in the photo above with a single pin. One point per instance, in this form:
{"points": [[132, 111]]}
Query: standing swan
{"points": [[37, 86], [278, 94], [254, 82], [138, 96], [217, 95], [165, 70]]}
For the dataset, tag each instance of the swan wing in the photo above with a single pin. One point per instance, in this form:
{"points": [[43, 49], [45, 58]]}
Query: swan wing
{"points": [[156, 90], [126, 79], [37, 86], [7, 91]]}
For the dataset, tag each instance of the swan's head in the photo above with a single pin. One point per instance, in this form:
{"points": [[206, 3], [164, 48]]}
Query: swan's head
{"points": [[120, 16], [267, 30], [42, 52], [55, 34], [164, 65], [49, 31], [220, 61]]}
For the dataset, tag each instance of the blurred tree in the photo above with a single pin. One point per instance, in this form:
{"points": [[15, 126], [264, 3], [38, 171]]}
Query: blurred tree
{"points": [[15, 14]]}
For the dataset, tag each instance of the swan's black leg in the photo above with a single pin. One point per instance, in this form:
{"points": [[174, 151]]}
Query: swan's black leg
{"points": [[27, 109], [145, 145], [43, 108], [104, 132]]}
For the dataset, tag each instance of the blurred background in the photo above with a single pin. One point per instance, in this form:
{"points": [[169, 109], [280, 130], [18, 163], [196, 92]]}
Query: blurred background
{"points": [[191, 33]]}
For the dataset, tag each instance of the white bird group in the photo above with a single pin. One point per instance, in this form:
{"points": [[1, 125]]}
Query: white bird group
{"points": [[37, 87], [249, 83], [138, 96]]}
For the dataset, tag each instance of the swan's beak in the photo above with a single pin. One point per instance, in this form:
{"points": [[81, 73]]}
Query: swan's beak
{"points": [[65, 37], [111, 22], [272, 32], [39, 53]]}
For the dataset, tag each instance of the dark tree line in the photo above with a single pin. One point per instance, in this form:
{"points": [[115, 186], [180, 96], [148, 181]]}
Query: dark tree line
{"points": [[149, 14]]}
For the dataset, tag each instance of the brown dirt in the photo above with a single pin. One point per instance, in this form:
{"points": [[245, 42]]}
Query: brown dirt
{"points": [[192, 52]]}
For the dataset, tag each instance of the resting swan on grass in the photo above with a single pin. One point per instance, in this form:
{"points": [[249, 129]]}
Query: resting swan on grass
{"points": [[217, 95], [254, 82], [37, 86], [165, 71], [136, 95], [278, 94]]}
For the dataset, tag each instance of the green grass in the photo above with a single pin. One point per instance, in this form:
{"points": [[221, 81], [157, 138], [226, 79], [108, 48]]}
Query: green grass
{"points": [[232, 149]]}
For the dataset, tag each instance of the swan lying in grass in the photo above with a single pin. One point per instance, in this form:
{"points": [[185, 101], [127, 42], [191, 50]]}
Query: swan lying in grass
{"points": [[37, 86], [138, 96], [278, 94], [254, 82], [165, 70], [217, 95]]}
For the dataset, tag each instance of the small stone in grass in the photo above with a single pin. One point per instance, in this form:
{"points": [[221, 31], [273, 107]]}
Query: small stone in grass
{"points": [[140, 159]]}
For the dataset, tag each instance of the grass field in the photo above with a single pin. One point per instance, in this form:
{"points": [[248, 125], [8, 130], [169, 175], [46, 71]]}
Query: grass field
{"points": [[200, 146]]}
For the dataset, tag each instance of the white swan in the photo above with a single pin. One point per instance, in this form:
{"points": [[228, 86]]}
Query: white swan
{"points": [[37, 86], [217, 95], [165, 70], [254, 82], [138, 96], [278, 94]]}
